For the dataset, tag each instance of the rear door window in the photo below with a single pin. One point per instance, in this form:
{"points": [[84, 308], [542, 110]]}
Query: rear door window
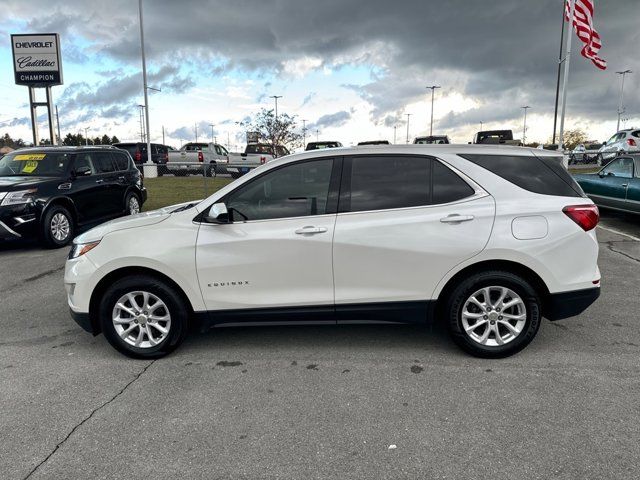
{"points": [[536, 174], [103, 162], [385, 182], [448, 186], [121, 160]]}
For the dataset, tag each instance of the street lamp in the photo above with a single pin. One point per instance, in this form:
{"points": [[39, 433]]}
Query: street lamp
{"points": [[408, 117], [620, 105], [395, 128], [212, 125], [144, 82], [433, 89], [86, 139], [480, 125], [276, 97], [304, 132], [524, 128]]}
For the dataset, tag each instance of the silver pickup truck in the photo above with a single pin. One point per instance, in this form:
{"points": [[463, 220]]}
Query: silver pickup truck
{"points": [[198, 158], [255, 154]]}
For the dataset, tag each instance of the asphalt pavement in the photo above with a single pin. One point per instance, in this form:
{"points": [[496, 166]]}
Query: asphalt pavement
{"points": [[319, 402]]}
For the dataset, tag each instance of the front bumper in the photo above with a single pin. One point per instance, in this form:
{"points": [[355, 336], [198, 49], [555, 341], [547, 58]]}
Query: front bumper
{"points": [[17, 221], [83, 320], [569, 304]]}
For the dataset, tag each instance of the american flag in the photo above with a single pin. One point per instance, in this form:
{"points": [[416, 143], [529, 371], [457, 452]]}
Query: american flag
{"points": [[583, 25]]}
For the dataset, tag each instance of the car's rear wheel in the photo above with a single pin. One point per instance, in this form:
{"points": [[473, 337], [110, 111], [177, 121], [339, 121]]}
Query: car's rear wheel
{"points": [[132, 203], [493, 314], [143, 317], [57, 227]]}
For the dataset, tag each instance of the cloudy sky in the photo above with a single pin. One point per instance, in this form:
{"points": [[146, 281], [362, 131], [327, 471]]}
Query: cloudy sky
{"points": [[352, 69]]}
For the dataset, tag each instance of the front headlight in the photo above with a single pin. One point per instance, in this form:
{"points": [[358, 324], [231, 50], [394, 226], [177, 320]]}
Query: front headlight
{"points": [[80, 249], [21, 196]]}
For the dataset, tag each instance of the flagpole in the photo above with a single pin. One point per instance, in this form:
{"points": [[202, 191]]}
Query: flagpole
{"points": [[560, 60], [566, 75]]}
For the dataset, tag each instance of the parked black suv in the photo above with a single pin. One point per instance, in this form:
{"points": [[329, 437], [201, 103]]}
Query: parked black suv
{"points": [[138, 151], [49, 192]]}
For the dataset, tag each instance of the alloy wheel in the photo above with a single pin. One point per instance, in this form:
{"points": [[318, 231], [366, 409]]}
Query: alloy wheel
{"points": [[134, 206], [141, 319], [494, 316], [60, 227]]}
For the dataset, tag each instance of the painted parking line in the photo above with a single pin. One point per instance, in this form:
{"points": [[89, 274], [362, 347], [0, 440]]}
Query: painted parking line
{"points": [[618, 232]]}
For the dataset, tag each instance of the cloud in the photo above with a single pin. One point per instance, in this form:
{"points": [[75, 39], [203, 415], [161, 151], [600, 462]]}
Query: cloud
{"points": [[331, 120], [499, 54]]}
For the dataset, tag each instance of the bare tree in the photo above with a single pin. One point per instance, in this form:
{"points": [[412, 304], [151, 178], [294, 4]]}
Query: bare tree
{"points": [[280, 131]]}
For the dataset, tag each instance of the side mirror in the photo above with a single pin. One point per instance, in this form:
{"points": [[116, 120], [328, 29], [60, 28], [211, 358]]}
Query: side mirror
{"points": [[217, 214], [82, 171], [601, 175]]}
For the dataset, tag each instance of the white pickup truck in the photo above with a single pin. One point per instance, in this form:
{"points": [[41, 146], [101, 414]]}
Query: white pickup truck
{"points": [[255, 154], [197, 158]]}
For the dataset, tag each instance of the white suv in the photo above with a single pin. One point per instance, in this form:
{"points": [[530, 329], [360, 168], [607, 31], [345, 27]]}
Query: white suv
{"points": [[488, 239], [623, 142]]}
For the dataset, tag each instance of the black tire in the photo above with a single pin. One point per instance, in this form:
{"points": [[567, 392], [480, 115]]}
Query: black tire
{"points": [[128, 203], [175, 307], [458, 297], [53, 215]]}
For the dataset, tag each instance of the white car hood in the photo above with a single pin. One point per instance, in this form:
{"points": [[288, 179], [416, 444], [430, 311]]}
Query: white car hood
{"points": [[131, 221]]}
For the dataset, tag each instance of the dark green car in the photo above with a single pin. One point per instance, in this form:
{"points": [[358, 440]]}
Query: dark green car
{"points": [[616, 186]]}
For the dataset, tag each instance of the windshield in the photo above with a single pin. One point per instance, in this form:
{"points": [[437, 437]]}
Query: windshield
{"points": [[50, 164]]}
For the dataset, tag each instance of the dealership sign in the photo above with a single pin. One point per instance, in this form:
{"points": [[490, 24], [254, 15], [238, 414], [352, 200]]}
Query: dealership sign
{"points": [[36, 59]]}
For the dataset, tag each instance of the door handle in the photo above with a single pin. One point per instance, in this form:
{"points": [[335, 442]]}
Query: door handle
{"points": [[122, 179], [625, 185], [100, 181], [310, 230], [455, 218]]}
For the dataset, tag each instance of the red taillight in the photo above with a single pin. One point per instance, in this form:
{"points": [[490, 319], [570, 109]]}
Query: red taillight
{"points": [[200, 157], [586, 216], [263, 160], [137, 157], [631, 142]]}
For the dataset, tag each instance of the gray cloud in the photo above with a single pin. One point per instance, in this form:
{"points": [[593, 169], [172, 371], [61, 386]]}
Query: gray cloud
{"points": [[500, 53], [331, 120]]}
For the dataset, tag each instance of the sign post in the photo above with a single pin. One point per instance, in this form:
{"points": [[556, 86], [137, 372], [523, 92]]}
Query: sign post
{"points": [[37, 64]]}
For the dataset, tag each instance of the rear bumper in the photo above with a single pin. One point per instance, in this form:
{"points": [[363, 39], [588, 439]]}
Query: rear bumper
{"points": [[569, 304]]}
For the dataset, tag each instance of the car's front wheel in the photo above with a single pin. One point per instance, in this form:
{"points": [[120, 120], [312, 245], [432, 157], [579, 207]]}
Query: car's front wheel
{"points": [[493, 314], [57, 227], [143, 317]]}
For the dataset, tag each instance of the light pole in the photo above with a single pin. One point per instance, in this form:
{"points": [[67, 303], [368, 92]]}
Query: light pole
{"points": [[142, 133], [317, 134], [196, 125], [395, 128], [433, 89], [144, 82], [480, 125], [304, 133], [408, 118], [524, 128], [86, 139], [212, 125], [276, 97], [621, 104]]}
